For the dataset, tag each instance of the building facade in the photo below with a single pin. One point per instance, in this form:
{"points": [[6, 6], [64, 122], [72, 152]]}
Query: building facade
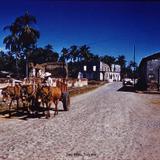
{"points": [[56, 69], [149, 72], [114, 73], [98, 70]]}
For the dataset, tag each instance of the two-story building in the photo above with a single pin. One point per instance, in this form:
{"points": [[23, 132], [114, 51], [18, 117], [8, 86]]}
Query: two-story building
{"points": [[98, 70]]}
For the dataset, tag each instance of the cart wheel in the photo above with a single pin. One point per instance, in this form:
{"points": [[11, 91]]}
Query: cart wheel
{"points": [[66, 101]]}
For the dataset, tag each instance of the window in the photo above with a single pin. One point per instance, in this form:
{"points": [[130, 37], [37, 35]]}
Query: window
{"points": [[151, 76], [94, 68], [84, 68]]}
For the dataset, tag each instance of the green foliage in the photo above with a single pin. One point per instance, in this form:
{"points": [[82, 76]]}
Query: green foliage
{"points": [[42, 55], [131, 70], [84, 53], [22, 37], [108, 60], [64, 55], [28, 35], [77, 54], [121, 60], [7, 62]]}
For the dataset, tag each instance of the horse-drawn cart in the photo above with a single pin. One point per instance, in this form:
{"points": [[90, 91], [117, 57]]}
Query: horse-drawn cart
{"points": [[37, 94]]}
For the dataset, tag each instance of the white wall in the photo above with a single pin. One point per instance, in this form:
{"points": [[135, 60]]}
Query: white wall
{"points": [[78, 83], [112, 76], [101, 76]]}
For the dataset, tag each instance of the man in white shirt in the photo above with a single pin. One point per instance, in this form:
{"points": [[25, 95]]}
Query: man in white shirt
{"points": [[49, 81]]}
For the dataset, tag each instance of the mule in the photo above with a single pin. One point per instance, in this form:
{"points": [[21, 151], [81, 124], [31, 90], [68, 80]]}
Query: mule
{"points": [[29, 96], [48, 95], [11, 93]]}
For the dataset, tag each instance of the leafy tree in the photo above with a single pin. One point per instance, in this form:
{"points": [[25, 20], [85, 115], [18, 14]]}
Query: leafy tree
{"points": [[12, 42], [121, 60], [51, 56], [132, 70], [48, 47], [94, 57], [42, 55], [7, 62], [37, 56]]}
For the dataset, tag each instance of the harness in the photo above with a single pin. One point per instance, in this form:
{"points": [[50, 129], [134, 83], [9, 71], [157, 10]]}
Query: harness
{"points": [[47, 96], [28, 96], [13, 95]]}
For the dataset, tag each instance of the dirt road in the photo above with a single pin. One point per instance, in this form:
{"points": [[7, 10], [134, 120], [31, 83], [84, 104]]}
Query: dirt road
{"points": [[104, 124]]}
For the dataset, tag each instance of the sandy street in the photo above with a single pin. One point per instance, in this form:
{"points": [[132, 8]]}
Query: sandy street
{"points": [[104, 124]]}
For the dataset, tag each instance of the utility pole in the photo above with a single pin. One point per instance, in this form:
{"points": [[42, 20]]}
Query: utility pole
{"points": [[134, 60]]}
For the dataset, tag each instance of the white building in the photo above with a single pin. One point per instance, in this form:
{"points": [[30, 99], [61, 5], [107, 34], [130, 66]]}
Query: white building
{"points": [[114, 73], [98, 70]]}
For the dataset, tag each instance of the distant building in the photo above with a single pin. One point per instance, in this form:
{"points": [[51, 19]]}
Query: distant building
{"points": [[57, 69], [114, 73], [149, 72], [97, 70]]}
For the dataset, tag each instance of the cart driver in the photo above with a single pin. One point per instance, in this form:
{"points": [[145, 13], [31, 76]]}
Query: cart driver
{"points": [[49, 81]]}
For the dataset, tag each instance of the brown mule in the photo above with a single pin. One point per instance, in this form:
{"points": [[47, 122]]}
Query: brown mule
{"points": [[48, 95], [11, 93]]}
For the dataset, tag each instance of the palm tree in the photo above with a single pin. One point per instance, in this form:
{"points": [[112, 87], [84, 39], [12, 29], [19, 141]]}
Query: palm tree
{"points": [[48, 53], [28, 36], [84, 53], [121, 60], [48, 47], [65, 55], [108, 60], [12, 42], [74, 52]]}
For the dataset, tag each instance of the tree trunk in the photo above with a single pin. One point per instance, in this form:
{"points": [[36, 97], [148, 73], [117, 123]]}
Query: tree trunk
{"points": [[17, 68], [27, 65]]}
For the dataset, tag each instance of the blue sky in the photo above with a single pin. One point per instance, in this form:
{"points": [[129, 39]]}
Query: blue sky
{"points": [[108, 27]]}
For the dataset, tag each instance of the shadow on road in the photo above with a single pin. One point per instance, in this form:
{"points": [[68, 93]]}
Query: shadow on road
{"points": [[22, 113], [127, 89]]}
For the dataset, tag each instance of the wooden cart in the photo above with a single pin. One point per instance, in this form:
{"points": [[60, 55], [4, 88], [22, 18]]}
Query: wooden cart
{"points": [[65, 94]]}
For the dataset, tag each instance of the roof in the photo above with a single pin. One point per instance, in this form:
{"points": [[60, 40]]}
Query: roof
{"points": [[53, 63], [38, 66], [151, 57]]}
